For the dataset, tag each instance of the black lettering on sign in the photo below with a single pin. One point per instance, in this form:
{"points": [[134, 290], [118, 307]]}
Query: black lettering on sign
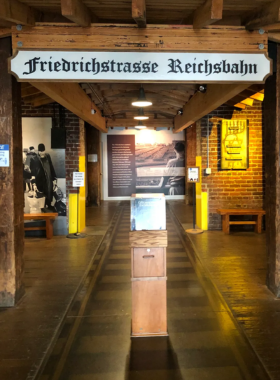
{"points": [[176, 66], [137, 67]]}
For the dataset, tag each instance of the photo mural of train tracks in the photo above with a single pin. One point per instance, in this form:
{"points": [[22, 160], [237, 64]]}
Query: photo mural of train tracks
{"points": [[154, 156], [157, 154]]}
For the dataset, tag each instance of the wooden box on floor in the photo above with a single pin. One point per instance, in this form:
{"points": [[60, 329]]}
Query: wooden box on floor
{"points": [[148, 277]]}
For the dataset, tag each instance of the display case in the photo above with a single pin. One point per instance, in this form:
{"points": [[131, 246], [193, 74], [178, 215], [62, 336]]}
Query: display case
{"points": [[147, 212], [148, 265]]}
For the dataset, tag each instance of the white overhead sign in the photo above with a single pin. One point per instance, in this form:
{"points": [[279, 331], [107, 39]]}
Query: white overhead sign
{"points": [[78, 179], [139, 66]]}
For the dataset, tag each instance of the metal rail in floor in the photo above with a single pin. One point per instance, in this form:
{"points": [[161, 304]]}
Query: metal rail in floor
{"points": [[204, 342]]}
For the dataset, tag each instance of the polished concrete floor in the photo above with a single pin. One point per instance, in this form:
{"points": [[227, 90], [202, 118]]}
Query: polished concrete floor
{"points": [[204, 341], [74, 320], [237, 264], [53, 272]]}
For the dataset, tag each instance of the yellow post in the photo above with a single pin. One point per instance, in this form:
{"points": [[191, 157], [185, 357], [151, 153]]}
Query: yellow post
{"points": [[77, 204], [72, 213], [82, 197], [201, 201]]}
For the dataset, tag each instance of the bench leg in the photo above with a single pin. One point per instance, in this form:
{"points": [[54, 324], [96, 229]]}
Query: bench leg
{"points": [[225, 222], [258, 225], [49, 228]]}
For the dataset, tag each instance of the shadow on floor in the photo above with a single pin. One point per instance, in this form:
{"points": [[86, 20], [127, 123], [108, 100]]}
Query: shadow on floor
{"points": [[154, 357]]}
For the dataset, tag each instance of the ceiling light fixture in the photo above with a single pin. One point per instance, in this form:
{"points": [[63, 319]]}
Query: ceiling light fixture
{"points": [[140, 125], [141, 101], [141, 115]]}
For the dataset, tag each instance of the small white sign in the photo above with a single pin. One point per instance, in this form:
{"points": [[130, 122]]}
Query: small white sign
{"points": [[193, 175], [78, 179], [4, 156], [92, 157]]}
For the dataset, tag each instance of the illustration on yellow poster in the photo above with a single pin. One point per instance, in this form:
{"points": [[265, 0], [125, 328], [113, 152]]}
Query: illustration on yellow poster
{"points": [[234, 144]]}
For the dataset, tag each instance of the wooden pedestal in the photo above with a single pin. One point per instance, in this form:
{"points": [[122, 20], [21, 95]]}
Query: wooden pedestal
{"points": [[148, 277]]}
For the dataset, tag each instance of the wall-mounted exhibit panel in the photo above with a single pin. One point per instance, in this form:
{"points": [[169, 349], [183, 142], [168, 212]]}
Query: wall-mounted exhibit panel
{"points": [[143, 161]]}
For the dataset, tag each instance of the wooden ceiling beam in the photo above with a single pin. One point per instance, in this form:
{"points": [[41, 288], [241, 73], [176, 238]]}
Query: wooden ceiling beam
{"points": [[208, 13], [274, 36], [132, 123], [265, 15], [232, 103], [240, 99], [154, 97], [76, 11], [229, 20], [42, 102], [272, 27], [71, 96], [249, 94], [5, 32], [258, 96], [139, 12], [17, 12], [163, 111], [130, 38], [203, 103], [29, 91], [256, 88]]}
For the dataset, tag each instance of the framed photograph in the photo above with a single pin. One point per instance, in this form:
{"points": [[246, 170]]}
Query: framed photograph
{"points": [[193, 175]]}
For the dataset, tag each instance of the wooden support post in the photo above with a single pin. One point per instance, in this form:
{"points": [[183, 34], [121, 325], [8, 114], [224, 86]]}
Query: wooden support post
{"points": [[11, 185], [93, 141], [139, 12], [272, 175]]}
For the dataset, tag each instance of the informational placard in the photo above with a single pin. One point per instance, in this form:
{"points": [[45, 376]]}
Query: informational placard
{"points": [[121, 165], [78, 179], [4, 156], [137, 66], [193, 175]]}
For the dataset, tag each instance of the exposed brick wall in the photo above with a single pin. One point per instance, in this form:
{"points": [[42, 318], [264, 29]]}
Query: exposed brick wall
{"points": [[72, 151], [232, 188]]}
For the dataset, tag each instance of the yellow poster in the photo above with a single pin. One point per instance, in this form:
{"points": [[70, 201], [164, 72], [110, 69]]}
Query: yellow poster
{"points": [[234, 144]]}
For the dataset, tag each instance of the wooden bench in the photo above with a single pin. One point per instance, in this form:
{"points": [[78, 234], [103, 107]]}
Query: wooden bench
{"points": [[48, 217], [256, 213]]}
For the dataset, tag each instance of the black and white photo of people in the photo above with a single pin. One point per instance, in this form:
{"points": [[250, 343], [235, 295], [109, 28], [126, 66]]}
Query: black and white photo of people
{"points": [[40, 182]]}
